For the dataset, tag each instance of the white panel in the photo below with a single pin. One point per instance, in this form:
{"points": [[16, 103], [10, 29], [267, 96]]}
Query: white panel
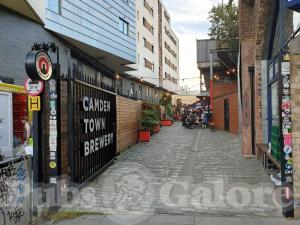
{"points": [[6, 124]]}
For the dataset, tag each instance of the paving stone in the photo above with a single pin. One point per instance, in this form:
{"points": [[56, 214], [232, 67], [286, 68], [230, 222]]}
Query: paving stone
{"points": [[181, 171]]}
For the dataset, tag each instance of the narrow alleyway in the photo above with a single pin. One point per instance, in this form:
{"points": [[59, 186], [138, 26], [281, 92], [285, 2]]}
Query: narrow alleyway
{"points": [[181, 173]]}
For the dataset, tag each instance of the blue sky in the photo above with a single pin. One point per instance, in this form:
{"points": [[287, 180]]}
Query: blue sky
{"points": [[189, 20]]}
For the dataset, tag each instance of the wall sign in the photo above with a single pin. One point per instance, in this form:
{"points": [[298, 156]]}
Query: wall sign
{"points": [[53, 130], [33, 88], [38, 65], [34, 103], [96, 125], [94, 130]]}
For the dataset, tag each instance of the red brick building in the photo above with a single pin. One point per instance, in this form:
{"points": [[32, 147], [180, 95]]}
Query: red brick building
{"points": [[225, 106], [225, 86]]}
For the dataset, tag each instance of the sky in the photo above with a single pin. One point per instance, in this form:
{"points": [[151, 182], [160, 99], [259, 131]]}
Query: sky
{"points": [[189, 20]]}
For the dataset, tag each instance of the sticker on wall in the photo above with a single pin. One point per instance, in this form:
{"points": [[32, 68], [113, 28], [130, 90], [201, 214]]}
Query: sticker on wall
{"points": [[287, 149], [287, 160]]}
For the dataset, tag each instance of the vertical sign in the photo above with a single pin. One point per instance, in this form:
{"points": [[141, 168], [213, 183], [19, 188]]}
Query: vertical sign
{"points": [[53, 130], [287, 151]]}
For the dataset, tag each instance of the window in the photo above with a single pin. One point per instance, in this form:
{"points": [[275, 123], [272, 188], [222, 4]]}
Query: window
{"points": [[119, 86], [54, 5], [123, 26], [148, 45], [148, 7], [149, 65], [167, 17], [132, 89], [148, 25]]}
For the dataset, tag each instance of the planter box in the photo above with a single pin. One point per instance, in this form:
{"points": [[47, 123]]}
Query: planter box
{"points": [[166, 123], [144, 135], [156, 129]]}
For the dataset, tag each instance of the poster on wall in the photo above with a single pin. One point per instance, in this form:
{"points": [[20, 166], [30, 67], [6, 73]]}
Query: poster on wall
{"points": [[287, 151], [287, 124], [53, 131]]}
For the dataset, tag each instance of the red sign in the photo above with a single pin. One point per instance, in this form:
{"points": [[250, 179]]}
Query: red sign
{"points": [[33, 88], [43, 65], [38, 65]]}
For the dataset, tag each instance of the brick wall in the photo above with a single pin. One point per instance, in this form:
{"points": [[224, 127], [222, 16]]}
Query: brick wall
{"points": [[221, 92], [247, 32], [127, 122], [295, 101], [221, 89]]}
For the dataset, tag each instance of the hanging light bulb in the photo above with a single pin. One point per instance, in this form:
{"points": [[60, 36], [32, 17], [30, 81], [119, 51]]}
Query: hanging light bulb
{"points": [[117, 76], [228, 72]]}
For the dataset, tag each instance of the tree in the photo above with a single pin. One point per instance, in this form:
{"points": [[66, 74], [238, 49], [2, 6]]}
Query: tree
{"points": [[224, 24]]}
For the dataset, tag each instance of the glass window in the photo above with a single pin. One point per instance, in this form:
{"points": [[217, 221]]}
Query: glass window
{"points": [[123, 26], [54, 5], [270, 72]]}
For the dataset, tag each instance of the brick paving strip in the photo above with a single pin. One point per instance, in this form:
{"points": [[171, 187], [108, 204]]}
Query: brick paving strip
{"points": [[160, 183]]}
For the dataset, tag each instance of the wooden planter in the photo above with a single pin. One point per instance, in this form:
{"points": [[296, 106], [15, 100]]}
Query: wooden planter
{"points": [[144, 135], [166, 123], [156, 129]]}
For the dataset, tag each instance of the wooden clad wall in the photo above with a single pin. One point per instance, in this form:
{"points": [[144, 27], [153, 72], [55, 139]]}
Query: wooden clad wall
{"points": [[127, 122]]}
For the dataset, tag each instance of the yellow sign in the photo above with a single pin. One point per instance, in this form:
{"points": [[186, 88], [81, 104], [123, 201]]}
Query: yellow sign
{"points": [[34, 103], [52, 165]]}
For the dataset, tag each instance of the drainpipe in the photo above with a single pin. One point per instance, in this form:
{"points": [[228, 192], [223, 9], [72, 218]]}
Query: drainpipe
{"points": [[251, 73], [211, 81]]}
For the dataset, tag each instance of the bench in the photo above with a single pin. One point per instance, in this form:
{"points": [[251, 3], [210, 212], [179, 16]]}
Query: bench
{"points": [[268, 158]]}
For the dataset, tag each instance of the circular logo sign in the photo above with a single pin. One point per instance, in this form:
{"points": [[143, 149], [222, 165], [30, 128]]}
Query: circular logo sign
{"points": [[43, 65], [38, 65], [53, 165], [33, 88]]}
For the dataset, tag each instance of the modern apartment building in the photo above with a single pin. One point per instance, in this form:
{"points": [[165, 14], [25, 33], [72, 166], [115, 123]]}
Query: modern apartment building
{"points": [[157, 46], [169, 57]]}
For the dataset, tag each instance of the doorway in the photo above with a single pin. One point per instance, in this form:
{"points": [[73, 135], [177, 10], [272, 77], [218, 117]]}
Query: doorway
{"points": [[226, 115], [6, 124]]}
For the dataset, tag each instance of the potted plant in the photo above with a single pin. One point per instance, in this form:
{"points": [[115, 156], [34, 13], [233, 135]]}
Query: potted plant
{"points": [[156, 108], [166, 101], [147, 122]]}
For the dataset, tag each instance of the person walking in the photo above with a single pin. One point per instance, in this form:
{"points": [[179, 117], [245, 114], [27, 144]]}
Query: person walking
{"points": [[27, 131]]}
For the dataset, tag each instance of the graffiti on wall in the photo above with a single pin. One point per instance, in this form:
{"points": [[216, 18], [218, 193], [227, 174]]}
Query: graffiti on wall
{"points": [[14, 191]]}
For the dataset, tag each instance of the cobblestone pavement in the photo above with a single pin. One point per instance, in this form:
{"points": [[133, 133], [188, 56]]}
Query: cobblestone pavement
{"points": [[184, 173]]}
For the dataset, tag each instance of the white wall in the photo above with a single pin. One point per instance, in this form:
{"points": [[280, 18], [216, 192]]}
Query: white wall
{"points": [[142, 52], [169, 85]]}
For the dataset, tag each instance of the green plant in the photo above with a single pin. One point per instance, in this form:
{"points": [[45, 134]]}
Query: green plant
{"points": [[148, 119], [169, 110], [224, 20], [166, 101], [151, 106]]}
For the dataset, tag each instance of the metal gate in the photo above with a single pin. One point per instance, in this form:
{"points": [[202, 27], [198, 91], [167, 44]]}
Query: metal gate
{"points": [[94, 133]]}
